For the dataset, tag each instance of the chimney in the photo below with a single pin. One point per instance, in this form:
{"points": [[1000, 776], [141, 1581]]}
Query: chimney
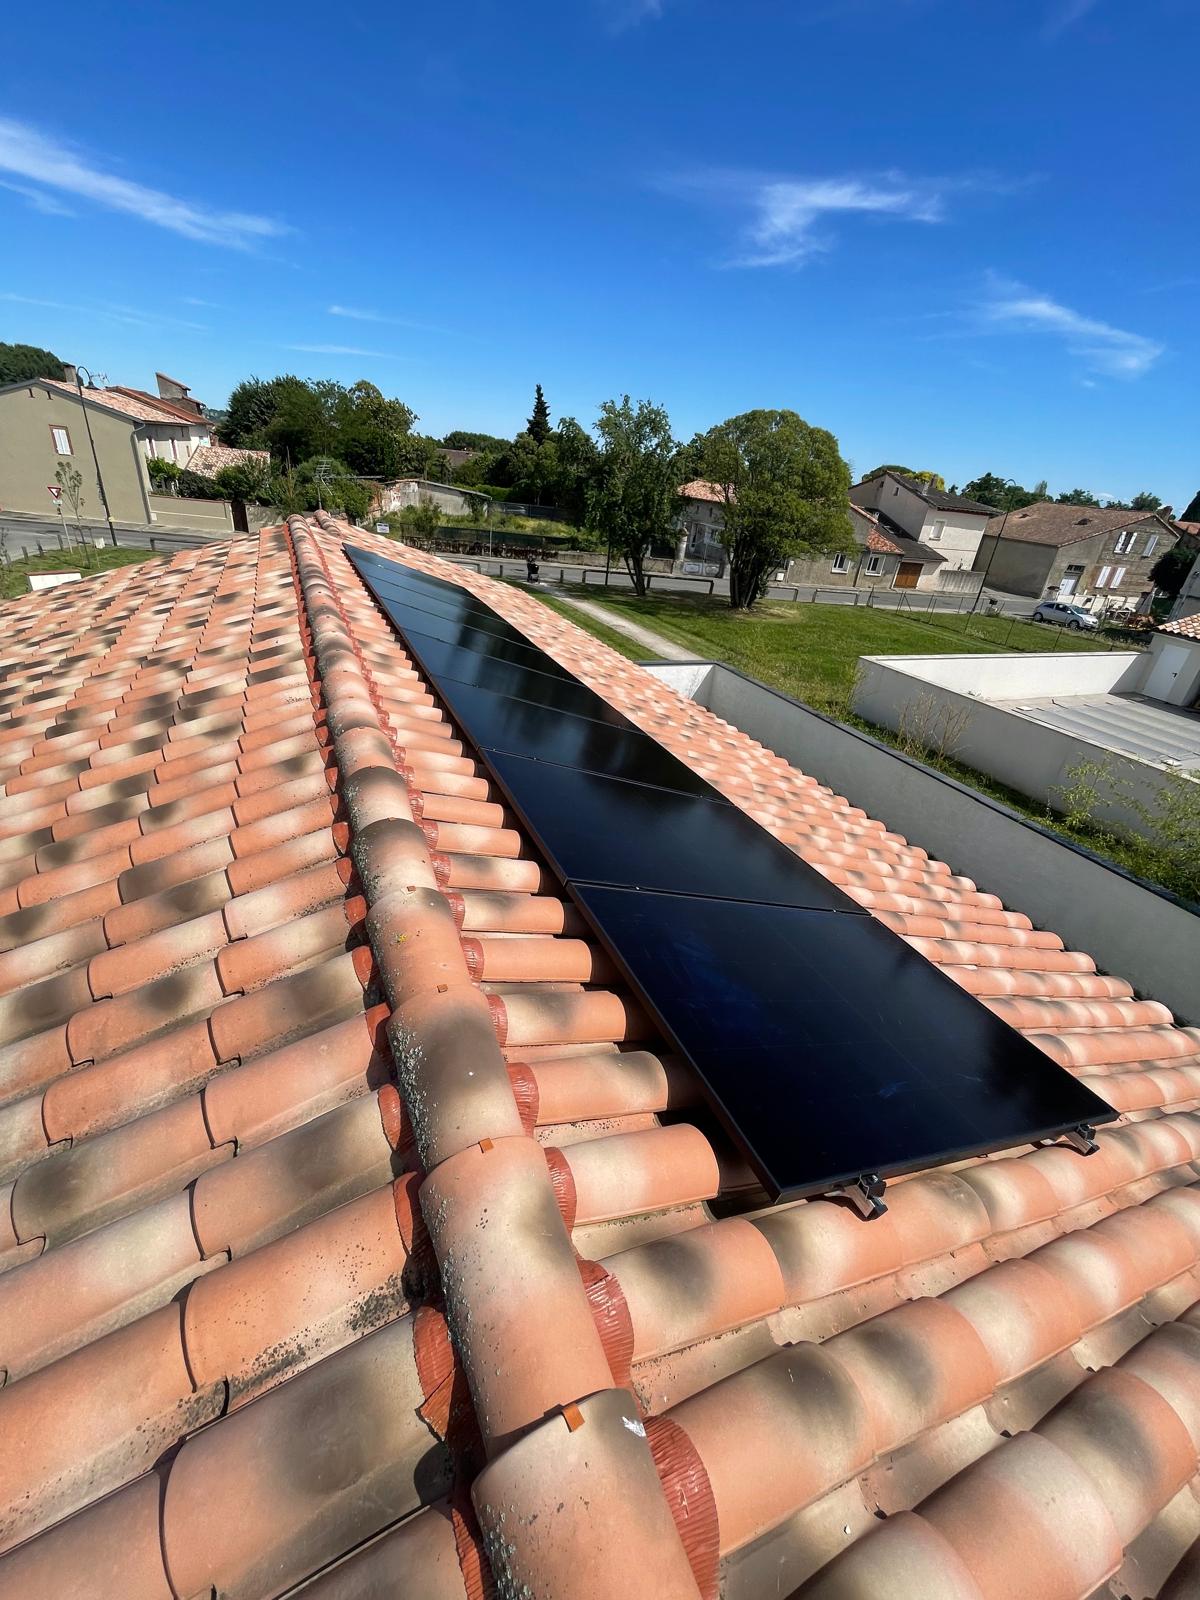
{"points": [[70, 375]]}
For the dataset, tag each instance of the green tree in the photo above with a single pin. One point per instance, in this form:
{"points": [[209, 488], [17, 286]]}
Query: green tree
{"points": [[633, 501], [245, 481], [1192, 513], [690, 459], [538, 426], [533, 468], [1171, 568], [1145, 501], [577, 457], [298, 419], [21, 361], [932, 480], [463, 439], [1077, 497], [785, 492], [250, 412], [992, 490]]}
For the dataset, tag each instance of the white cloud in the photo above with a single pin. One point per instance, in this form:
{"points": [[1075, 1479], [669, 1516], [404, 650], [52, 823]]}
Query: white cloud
{"points": [[116, 313], [338, 350], [1064, 14], [38, 200], [359, 316], [42, 160], [785, 214], [1114, 352], [620, 15]]}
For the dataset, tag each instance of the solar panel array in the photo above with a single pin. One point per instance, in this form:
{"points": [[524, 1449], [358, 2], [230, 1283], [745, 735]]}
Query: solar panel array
{"points": [[829, 1049]]}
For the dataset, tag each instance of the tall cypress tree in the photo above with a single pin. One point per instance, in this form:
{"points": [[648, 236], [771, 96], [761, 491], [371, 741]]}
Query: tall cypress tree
{"points": [[538, 426]]}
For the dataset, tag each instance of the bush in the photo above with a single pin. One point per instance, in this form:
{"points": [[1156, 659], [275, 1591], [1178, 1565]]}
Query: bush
{"points": [[164, 475], [194, 487], [422, 520], [1166, 847]]}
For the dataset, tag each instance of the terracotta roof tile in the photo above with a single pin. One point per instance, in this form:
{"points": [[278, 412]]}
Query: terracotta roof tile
{"points": [[282, 985]]}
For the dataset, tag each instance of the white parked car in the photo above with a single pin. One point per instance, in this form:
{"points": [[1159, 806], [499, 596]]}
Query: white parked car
{"points": [[1066, 615]]}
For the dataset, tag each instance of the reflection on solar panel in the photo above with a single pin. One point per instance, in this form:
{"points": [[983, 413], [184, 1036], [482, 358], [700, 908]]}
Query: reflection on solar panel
{"points": [[833, 1054]]}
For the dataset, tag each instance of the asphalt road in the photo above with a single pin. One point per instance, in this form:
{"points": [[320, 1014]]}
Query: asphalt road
{"points": [[22, 536], [554, 573]]}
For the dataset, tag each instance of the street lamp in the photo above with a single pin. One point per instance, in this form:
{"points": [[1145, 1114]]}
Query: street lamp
{"points": [[1009, 483], [87, 422]]}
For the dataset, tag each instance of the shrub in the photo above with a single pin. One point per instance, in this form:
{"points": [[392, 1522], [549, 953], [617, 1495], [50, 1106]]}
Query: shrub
{"points": [[164, 475]]}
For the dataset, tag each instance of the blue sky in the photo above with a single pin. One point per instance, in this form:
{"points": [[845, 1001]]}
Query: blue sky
{"points": [[962, 234]]}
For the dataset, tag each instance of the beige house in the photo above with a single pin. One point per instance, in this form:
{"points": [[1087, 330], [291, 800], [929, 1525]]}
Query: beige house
{"points": [[1095, 556], [886, 557], [166, 430], [44, 424], [949, 525]]}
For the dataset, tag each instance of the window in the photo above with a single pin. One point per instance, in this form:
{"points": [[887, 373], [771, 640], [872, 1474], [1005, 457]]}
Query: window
{"points": [[1150, 543], [935, 533], [1102, 580], [841, 563], [1125, 543], [62, 441], [1118, 578], [874, 566]]}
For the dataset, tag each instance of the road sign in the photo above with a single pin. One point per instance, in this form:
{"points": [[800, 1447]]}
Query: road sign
{"points": [[54, 490]]}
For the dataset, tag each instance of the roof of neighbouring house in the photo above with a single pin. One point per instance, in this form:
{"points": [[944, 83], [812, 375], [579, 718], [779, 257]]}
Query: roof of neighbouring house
{"points": [[939, 499], [208, 459], [1047, 522], [877, 541], [909, 548], [358, 1224], [701, 489], [135, 403]]}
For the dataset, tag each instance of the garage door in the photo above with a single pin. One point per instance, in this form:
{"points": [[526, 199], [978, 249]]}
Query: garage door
{"points": [[907, 575]]}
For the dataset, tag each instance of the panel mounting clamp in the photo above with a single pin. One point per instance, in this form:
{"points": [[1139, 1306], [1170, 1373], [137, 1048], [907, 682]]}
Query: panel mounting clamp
{"points": [[865, 1195], [1083, 1139]]}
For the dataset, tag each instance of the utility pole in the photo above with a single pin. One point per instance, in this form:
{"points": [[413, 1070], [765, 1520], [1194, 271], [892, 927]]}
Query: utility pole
{"points": [[1009, 483], [91, 383]]}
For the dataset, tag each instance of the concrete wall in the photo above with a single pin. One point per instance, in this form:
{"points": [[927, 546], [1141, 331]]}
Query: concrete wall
{"points": [[413, 491], [950, 580], [175, 511], [1183, 654], [1017, 566], [944, 700], [1129, 927], [28, 457]]}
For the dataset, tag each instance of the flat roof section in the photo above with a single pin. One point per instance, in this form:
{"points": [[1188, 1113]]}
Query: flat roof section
{"points": [[1127, 724]]}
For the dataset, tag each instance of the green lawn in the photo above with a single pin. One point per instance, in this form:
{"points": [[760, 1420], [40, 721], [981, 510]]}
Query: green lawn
{"points": [[812, 651], [609, 636], [14, 573]]}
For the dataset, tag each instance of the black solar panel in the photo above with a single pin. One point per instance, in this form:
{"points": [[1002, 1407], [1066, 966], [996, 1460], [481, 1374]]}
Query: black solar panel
{"points": [[828, 1048]]}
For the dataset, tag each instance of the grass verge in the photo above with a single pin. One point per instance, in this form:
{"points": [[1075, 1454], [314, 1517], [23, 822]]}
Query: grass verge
{"points": [[812, 651], [14, 573]]}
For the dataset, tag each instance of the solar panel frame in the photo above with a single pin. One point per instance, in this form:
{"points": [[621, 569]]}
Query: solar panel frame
{"points": [[490, 698]]}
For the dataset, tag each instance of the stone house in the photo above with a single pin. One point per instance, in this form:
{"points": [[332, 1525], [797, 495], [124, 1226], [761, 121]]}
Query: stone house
{"points": [[1095, 556]]}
